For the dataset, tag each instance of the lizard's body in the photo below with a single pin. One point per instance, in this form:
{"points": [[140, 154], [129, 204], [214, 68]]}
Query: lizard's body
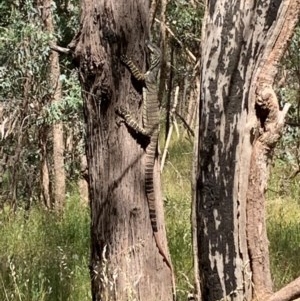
{"points": [[150, 128]]}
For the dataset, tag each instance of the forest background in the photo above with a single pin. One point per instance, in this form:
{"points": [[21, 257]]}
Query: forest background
{"points": [[44, 246]]}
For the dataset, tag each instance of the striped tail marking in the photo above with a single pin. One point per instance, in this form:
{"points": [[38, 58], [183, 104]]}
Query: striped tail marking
{"points": [[133, 68]]}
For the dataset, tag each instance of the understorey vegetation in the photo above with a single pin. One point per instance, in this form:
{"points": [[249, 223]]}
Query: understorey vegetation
{"points": [[45, 257], [45, 248]]}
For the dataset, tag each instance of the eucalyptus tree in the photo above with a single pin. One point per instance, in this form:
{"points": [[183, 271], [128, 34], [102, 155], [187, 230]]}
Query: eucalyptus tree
{"points": [[59, 175], [240, 124], [23, 86], [26, 90], [125, 261]]}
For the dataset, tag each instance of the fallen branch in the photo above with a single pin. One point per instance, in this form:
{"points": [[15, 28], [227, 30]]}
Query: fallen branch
{"points": [[185, 124], [288, 293], [171, 129]]}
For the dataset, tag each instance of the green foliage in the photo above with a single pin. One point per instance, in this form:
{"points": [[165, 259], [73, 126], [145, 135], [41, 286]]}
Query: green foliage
{"points": [[284, 188], [289, 150], [283, 218], [185, 20], [44, 256], [26, 115], [5, 10], [283, 223], [70, 108], [24, 88], [281, 183], [66, 16], [23, 55], [292, 58]]}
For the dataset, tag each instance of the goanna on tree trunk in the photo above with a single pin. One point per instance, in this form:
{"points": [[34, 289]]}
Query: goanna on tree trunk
{"points": [[125, 262], [240, 123]]}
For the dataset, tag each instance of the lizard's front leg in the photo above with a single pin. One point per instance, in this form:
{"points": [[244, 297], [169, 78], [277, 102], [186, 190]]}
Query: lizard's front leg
{"points": [[130, 121], [134, 70]]}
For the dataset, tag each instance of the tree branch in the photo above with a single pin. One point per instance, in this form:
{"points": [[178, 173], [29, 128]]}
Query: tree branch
{"points": [[290, 123], [190, 54], [185, 124], [287, 293], [59, 49]]}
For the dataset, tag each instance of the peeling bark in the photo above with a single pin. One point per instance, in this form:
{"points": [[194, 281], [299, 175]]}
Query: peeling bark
{"points": [[240, 123], [269, 130]]}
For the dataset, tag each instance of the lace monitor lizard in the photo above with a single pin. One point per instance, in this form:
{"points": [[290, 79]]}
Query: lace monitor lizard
{"points": [[150, 128]]}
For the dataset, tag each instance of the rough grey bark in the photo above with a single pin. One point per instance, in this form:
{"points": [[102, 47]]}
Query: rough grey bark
{"points": [[240, 123], [125, 262]]}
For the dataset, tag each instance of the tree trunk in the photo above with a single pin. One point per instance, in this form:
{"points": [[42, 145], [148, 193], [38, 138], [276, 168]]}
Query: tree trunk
{"points": [[240, 123], [163, 43], [169, 93], [44, 169], [82, 181], [125, 262], [59, 178]]}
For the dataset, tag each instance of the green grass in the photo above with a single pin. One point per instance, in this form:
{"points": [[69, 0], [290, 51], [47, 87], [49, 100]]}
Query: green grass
{"points": [[44, 257], [282, 182], [284, 236], [283, 219], [176, 184]]}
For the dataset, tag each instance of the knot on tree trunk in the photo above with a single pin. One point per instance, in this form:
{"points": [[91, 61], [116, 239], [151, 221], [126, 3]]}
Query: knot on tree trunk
{"points": [[270, 116]]}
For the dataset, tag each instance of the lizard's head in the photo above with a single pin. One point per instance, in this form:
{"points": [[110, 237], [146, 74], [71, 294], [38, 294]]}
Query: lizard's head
{"points": [[153, 49], [155, 54]]}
